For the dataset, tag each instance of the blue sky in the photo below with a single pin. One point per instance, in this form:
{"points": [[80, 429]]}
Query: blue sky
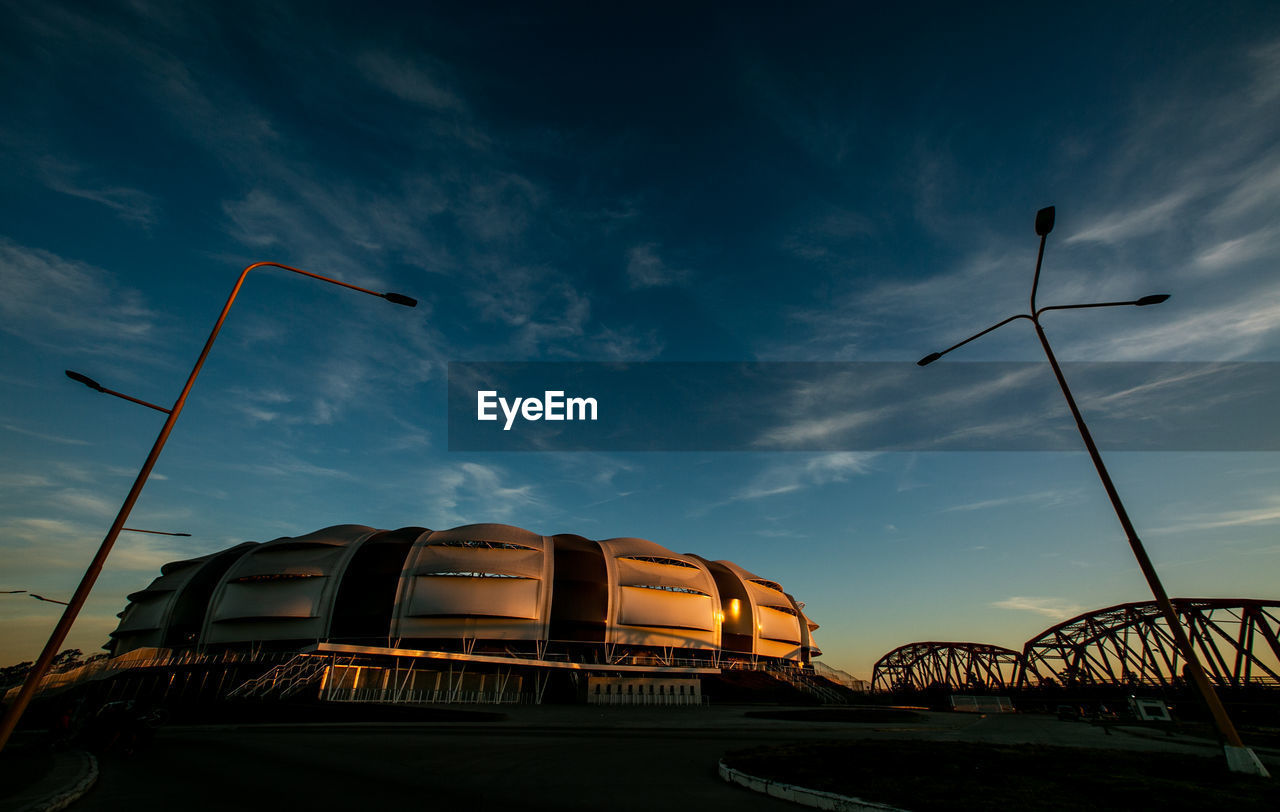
{"points": [[579, 183]]}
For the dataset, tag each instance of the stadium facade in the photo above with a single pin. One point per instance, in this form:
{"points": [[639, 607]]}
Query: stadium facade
{"points": [[483, 611]]}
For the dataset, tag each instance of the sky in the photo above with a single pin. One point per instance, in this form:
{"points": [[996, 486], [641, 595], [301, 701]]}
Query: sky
{"points": [[829, 182]]}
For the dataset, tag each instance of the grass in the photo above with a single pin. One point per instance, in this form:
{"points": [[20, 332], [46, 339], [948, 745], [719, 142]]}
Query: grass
{"points": [[922, 776]]}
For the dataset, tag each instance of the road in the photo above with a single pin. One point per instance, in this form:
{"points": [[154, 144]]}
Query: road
{"points": [[569, 758]]}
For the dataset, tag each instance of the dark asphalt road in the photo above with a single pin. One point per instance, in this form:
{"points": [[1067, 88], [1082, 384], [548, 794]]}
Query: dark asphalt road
{"points": [[567, 758], [411, 768]]}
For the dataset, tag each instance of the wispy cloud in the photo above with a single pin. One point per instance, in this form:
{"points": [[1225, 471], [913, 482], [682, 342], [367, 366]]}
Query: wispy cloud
{"points": [[806, 471], [86, 504], [19, 480], [472, 492], [1056, 608], [647, 269], [1125, 225], [828, 236], [38, 545], [447, 203], [1222, 331], [888, 406], [1041, 498], [348, 231], [917, 314], [69, 474], [596, 470], [818, 431], [1265, 514], [1197, 222], [1193, 217], [292, 468], [1251, 245], [261, 406], [408, 79], [129, 204], [51, 300], [625, 343], [35, 529], [53, 438]]}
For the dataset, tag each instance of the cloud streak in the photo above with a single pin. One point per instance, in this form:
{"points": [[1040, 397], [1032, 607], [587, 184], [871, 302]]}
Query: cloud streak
{"points": [[806, 472], [471, 492], [1055, 608], [49, 300], [131, 205]]}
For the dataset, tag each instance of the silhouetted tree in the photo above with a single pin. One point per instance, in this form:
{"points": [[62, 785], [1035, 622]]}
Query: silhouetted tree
{"points": [[14, 674], [66, 660]]}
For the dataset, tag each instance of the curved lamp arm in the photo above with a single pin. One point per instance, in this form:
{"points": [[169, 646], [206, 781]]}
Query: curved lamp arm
{"points": [[20, 702], [934, 356]]}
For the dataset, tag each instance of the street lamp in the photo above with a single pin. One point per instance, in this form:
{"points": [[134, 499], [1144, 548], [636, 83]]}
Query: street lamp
{"points": [[92, 384], [32, 595], [155, 532], [47, 600], [14, 712], [1239, 758]]}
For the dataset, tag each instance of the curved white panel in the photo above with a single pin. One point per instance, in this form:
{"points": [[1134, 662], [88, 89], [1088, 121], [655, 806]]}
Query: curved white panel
{"points": [[656, 607], [445, 596]]}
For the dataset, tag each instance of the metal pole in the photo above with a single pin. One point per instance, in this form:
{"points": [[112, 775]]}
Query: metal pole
{"points": [[1239, 758], [14, 712], [1220, 717]]}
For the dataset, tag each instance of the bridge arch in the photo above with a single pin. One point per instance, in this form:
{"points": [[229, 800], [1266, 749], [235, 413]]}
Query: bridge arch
{"points": [[1236, 639], [916, 666]]}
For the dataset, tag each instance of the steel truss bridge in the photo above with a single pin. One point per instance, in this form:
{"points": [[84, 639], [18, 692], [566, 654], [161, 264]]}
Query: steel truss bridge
{"points": [[958, 665], [1237, 640]]}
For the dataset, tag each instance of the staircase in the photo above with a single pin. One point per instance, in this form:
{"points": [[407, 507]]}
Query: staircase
{"points": [[820, 688], [283, 680]]}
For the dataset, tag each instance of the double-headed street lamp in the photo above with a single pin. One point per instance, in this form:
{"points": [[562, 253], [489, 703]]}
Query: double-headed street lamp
{"points": [[1239, 758], [14, 712]]}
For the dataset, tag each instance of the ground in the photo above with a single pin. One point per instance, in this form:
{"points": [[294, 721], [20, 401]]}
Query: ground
{"points": [[645, 758], [923, 776]]}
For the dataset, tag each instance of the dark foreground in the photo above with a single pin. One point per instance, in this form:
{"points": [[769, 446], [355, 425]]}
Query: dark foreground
{"points": [[923, 776], [587, 758]]}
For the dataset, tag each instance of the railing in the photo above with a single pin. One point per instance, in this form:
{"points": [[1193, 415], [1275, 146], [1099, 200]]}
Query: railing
{"points": [[647, 699], [284, 679], [101, 669], [810, 684], [442, 697]]}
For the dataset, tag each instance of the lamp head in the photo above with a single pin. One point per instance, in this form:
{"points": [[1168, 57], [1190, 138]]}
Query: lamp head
{"points": [[1044, 221], [400, 299], [84, 379], [928, 359], [1155, 298]]}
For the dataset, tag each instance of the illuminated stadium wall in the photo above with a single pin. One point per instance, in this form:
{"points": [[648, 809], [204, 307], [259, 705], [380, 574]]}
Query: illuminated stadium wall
{"points": [[482, 587]]}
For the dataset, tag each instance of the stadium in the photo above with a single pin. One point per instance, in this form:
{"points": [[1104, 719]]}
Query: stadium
{"points": [[480, 613]]}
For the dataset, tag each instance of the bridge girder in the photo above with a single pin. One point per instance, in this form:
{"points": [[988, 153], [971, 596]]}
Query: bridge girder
{"points": [[956, 665], [1130, 643]]}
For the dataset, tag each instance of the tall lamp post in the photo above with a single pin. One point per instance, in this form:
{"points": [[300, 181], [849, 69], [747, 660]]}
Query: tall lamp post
{"points": [[14, 712], [1239, 758]]}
